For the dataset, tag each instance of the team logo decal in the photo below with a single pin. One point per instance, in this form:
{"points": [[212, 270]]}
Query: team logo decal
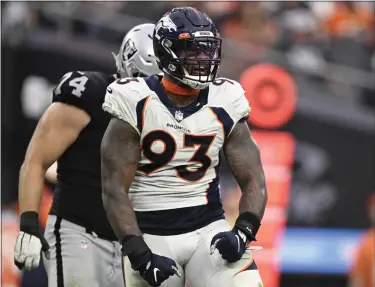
{"points": [[164, 23]]}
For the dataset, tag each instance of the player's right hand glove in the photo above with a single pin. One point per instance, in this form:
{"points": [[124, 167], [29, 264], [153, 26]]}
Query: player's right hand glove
{"points": [[232, 244], [30, 241], [154, 269]]}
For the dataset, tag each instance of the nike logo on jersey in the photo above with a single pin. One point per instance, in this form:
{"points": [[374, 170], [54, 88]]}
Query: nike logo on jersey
{"points": [[155, 274], [109, 90]]}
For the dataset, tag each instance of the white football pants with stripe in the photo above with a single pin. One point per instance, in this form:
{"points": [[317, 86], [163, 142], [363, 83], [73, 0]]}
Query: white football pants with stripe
{"points": [[191, 251]]}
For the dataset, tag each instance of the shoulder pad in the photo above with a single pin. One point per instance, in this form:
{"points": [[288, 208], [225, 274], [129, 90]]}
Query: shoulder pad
{"points": [[229, 95], [122, 98]]}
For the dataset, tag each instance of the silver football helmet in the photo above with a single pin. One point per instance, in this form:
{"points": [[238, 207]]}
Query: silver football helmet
{"points": [[136, 56]]}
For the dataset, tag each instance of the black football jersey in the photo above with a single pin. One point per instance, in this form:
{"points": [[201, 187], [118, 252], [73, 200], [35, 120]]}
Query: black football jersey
{"points": [[77, 195]]}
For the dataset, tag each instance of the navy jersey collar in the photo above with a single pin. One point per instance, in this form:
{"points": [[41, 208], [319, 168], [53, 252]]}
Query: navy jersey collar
{"points": [[154, 84]]}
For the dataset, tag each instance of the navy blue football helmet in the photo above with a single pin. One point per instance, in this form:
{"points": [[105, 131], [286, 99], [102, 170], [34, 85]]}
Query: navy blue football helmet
{"points": [[187, 46]]}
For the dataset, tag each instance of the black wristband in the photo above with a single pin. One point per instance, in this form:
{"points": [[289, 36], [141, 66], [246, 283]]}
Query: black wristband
{"points": [[249, 224], [136, 249], [29, 223]]}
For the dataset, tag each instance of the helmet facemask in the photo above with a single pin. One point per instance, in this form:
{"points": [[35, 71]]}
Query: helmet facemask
{"points": [[193, 61]]}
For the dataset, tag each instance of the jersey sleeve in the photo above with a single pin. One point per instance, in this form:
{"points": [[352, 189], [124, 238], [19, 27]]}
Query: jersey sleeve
{"points": [[234, 101], [76, 89], [240, 105], [121, 101]]}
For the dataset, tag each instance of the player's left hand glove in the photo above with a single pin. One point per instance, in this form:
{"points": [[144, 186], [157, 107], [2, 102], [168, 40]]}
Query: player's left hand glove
{"points": [[232, 244], [30, 241], [158, 269]]}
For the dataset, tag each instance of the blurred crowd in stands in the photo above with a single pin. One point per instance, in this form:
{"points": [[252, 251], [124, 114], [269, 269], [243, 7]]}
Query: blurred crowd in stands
{"points": [[308, 34]]}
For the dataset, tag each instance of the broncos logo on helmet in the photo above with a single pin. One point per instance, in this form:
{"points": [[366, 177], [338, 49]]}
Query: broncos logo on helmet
{"points": [[165, 23]]}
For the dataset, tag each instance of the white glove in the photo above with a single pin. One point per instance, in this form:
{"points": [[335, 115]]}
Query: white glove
{"points": [[30, 241], [27, 251]]}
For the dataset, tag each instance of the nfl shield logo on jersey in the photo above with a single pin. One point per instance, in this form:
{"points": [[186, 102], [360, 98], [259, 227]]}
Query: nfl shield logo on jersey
{"points": [[179, 116]]}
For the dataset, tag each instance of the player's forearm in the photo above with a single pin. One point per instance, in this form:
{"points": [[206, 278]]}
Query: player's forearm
{"points": [[31, 186], [119, 210], [253, 200], [120, 150], [254, 194], [243, 157]]}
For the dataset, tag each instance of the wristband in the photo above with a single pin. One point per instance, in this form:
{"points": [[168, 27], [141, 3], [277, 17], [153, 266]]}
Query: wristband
{"points": [[136, 249], [29, 223], [249, 224]]}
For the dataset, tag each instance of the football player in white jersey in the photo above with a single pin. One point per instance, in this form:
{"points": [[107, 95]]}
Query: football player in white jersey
{"points": [[160, 164]]}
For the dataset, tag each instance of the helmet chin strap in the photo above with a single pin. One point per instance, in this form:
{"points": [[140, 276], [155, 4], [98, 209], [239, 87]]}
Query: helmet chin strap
{"points": [[176, 89], [197, 85]]}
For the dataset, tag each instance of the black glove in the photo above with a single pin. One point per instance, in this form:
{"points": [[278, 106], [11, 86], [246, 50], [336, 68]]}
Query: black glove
{"points": [[154, 269], [158, 269], [30, 241], [232, 244]]}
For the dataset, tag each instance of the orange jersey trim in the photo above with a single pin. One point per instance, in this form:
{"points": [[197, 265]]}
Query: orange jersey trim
{"points": [[177, 90]]}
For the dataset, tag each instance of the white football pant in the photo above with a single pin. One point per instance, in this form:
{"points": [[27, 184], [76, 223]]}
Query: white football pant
{"points": [[191, 251]]}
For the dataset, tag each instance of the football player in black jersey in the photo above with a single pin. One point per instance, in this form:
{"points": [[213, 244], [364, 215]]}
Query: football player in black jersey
{"points": [[79, 244]]}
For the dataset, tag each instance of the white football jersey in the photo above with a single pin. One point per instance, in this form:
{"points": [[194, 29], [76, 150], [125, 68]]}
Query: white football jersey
{"points": [[179, 146]]}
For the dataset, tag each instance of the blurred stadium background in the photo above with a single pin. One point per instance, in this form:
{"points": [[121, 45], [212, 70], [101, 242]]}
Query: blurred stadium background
{"points": [[309, 71]]}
